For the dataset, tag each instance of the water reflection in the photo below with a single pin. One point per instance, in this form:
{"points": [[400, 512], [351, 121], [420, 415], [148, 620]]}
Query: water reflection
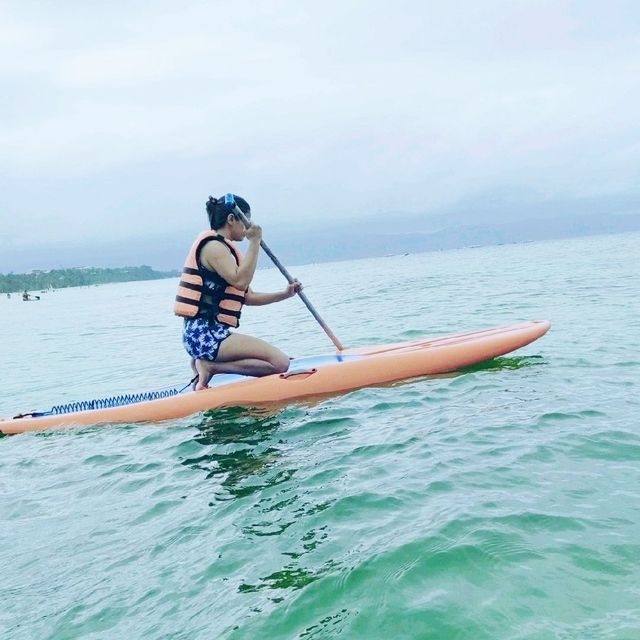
{"points": [[239, 448], [502, 363], [245, 452], [286, 579]]}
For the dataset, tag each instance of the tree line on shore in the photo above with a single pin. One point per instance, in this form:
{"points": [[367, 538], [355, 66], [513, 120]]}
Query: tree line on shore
{"points": [[77, 277]]}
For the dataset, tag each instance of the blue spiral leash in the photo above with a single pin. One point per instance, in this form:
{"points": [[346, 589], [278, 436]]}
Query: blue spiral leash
{"points": [[107, 403]]}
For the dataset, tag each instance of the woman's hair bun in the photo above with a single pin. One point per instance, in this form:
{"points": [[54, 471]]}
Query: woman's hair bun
{"points": [[211, 204]]}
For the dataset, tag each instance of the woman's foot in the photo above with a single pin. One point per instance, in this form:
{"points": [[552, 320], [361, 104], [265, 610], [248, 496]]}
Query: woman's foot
{"points": [[205, 371]]}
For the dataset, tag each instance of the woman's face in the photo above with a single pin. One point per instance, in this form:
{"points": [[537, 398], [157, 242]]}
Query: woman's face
{"points": [[237, 228]]}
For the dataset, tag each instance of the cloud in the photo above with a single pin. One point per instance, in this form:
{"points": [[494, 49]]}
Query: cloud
{"points": [[136, 112]]}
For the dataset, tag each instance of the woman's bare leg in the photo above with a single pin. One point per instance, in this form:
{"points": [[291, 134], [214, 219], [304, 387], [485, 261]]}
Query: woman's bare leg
{"points": [[244, 355], [196, 375], [251, 356]]}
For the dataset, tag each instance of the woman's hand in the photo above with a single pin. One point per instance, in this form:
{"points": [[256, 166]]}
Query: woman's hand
{"points": [[293, 288], [254, 233]]}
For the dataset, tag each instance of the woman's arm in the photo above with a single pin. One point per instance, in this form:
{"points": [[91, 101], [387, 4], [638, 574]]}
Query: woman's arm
{"points": [[255, 298], [217, 257]]}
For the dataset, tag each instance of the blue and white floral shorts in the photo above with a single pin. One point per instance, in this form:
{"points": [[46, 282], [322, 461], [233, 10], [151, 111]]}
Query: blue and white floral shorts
{"points": [[202, 337]]}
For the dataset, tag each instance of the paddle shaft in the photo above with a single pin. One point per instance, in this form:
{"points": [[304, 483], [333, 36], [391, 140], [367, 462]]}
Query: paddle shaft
{"points": [[283, 270]]}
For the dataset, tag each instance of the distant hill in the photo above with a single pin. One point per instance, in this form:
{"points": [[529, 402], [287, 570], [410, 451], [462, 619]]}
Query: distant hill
{"points": [[77, 277], [323, 246], [369, 236]]}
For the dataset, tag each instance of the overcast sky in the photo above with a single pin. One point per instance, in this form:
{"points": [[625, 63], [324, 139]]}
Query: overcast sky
{"points": [[118, 119]]}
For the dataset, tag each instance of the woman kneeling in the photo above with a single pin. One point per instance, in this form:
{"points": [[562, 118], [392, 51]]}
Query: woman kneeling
{"points": [[214, 286]]}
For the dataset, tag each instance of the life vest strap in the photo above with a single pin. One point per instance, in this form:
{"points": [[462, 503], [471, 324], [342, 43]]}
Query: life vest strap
{"points": [[193, 287], [228, 312], [189, 301]]}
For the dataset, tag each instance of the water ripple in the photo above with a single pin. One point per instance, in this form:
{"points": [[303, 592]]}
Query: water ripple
{"points": [[496, 503]]}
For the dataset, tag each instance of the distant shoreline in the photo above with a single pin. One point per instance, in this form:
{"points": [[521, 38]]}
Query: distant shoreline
{"points": [[77, 277], [367, 246]]}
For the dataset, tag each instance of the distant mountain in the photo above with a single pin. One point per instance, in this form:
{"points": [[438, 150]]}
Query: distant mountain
{"points": [[493, 217], [505, 206], [342, 240], [323, 246]]}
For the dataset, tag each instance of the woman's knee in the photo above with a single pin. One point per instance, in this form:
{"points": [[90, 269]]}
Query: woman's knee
{"points": [[279, 361]]}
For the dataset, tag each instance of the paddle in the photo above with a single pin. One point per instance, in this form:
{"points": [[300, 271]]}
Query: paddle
{"points": [[230, 204]]}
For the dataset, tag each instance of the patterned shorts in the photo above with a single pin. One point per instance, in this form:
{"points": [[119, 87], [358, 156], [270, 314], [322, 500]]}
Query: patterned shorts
{"points": [[202, 337]]}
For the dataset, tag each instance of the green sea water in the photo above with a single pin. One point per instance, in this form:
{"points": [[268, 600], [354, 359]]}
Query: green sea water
{"points": [[502, 502]]}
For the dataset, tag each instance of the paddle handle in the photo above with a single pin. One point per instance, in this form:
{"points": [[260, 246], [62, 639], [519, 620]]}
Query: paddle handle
{"points": [[283, 270]]}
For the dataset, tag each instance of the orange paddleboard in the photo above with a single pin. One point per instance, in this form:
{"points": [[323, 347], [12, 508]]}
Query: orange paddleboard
{"points": [[307, 377]]}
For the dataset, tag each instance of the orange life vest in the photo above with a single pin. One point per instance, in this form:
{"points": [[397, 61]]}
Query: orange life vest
{"points": [[195, 299]]}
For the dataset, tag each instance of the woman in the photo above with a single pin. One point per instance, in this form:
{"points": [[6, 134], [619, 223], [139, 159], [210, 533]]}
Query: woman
{"points": [[213, 289]]}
